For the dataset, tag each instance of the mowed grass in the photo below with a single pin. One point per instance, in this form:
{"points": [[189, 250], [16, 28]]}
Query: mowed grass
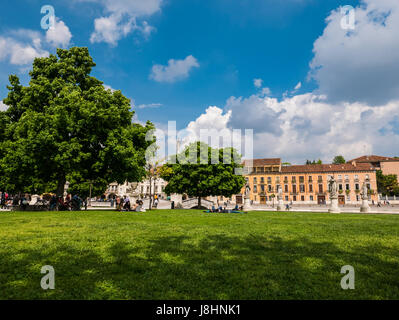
{"points": [[189, 254]]}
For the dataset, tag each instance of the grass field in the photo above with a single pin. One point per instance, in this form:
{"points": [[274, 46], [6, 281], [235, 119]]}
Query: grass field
{"points": [[194, 255]]}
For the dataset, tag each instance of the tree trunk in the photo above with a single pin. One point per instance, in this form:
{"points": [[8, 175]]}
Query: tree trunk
{"points": [[61, 187], [150, 194], [199, 202]]}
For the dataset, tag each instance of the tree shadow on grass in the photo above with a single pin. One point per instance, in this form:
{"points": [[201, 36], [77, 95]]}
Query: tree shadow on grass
{"points": [[215, 267]]}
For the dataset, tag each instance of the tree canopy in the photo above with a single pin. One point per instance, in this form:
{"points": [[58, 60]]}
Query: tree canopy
{"points": [[339, 160], [387, 184], [197, 175], [309, 162], [65, 125]]}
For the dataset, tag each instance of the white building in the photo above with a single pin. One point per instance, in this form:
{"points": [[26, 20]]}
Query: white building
{"points": [[138, 190]]}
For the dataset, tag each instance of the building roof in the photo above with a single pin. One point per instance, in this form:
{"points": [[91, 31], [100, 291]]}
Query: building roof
{"points": [[263, 162], [373, 158], [325, 168]]}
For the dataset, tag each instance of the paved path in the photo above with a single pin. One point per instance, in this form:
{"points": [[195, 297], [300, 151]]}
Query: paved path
{"points": [[163, 204]]}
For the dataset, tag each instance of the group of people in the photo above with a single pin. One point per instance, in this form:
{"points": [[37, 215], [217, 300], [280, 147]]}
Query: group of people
{"points": [[123, 204], [221, 209], [70, 203]]}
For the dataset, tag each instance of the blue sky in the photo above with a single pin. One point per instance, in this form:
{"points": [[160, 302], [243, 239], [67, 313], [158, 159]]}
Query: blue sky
{"points": [[219, 48]]}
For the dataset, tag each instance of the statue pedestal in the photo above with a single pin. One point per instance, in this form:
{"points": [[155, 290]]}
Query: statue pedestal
{"points": [[247, 205], [334, 208], [280, 205], [365, 206]]}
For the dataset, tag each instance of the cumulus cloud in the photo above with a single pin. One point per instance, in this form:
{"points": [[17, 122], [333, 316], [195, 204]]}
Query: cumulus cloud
{"points": [[360, 65], [59, 35], [121, 18], [175, 70], [21, 47], [258, 83], [3, 107], [305, 126]]}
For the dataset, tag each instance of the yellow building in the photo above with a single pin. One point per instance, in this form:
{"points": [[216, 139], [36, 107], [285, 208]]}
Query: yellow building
{"points": [[307, 184]]}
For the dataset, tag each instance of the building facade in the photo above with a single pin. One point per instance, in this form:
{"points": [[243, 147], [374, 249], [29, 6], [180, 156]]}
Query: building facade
{"points": [[137, 189], [307, 184], [387, 165]]}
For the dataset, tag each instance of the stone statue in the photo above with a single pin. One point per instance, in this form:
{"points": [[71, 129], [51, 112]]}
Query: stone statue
{"points": [[365, 195], [333, 189], [247, 190], [280, 193], [334, 208], [280, 203]]}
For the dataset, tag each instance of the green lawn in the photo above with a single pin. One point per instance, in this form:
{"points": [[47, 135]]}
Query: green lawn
{"points": [[194, 255]]}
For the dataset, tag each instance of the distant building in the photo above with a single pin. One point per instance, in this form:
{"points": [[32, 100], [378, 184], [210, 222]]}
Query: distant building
{"points": [[138, 190], [386, 164], [306, 184]]}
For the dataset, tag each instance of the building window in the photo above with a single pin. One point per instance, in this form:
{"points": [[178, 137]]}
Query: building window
{"points": [[293, 179], [269, 180], [294, 198], [348, 198], [348, 186], [286, 198], [285, 179], [357, 187], [286, 188], [302, 188], [255, 189], [301, 179], [320, 188], [293, 188], [255, 180], [310, 179], [311, 188], [339, 177], [262, 180], [262, 188], [367, 177], [319, 178], [270, 189], [302, 198], [340, 187], [277, 179], [311, 198], [346, 177]]}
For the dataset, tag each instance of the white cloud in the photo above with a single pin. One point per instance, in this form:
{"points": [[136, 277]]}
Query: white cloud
{"points": [[298, 86], [175, 70], [306, 126], [3, 107], [258, 83], [150, 105], [59, 35], [21, 47], [361, 64], [122, 18], [266, 91]]}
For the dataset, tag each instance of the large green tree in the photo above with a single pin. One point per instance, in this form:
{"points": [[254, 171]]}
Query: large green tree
{"points": [[196, 174], [339, 160], [387, 184], [65, 125]]}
